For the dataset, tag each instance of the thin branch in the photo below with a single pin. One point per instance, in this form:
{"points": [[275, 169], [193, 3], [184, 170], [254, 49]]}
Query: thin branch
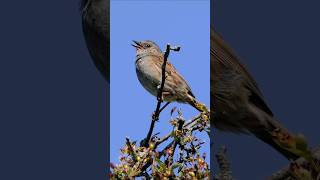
{"points": [[224, 165], [131, 150], [285, 173], [174, 146], [163, 107], [190, 123]]}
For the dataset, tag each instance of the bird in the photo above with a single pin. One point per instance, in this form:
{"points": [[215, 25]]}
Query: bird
{"points": [[238, 105], [148, 63], [96, 28]]}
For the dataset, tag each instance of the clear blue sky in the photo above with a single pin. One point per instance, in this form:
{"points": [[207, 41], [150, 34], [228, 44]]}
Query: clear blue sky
{"points": [[184, 23]]}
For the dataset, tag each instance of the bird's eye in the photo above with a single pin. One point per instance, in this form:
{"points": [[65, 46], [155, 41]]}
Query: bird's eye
{"points": [[148, 45]]}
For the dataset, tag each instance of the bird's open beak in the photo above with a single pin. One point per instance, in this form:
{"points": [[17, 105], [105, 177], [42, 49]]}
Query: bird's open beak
{"points": [[137, 44]]}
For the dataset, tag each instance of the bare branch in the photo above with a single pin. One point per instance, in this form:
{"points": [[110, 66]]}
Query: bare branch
{"points": [[224, 165], [287, 172]]}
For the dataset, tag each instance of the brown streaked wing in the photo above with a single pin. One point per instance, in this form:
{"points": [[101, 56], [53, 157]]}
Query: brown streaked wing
{"points": [[175, 76], [228, 58]]}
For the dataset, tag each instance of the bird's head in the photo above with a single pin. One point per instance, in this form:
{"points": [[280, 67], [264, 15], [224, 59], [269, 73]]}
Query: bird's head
{"points": [[147, 47]]}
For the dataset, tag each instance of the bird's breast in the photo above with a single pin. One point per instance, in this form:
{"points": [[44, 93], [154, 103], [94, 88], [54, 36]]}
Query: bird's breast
{"points": [[147, 75], [139, 63]]}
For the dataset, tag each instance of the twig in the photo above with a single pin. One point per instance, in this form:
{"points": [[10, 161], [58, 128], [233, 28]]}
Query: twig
{"points": [[131, 150], [170, 157], [174, 146], [190, 122], [224, 165], [164, 107], [285, 173]]}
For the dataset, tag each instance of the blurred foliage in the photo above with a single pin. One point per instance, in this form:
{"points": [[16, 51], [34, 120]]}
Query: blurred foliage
{"points": [[179, 159]]}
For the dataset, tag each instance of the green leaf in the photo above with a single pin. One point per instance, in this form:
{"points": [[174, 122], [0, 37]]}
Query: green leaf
{"points": [[176, 165]]}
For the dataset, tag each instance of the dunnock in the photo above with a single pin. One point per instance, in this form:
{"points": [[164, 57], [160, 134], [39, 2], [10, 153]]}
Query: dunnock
{"points": [[238, 103], [149, 60]]}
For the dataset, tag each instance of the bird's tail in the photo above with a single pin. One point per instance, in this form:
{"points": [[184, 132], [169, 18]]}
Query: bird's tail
{"points": [[197, 105], [269, 130]]}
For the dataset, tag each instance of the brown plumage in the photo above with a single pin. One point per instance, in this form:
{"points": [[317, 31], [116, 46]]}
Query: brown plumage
{"points": [[237, 103]]}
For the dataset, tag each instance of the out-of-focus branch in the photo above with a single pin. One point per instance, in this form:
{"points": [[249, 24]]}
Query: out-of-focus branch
{"points": [[224, 165], [298, 168]]}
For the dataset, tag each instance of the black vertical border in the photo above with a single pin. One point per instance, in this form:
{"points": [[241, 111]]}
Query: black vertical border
{"points": [[212, 157], [107, 125]]}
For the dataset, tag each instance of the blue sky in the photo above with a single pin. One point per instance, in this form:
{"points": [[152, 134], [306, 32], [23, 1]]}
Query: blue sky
{"points": [[184, 23]]}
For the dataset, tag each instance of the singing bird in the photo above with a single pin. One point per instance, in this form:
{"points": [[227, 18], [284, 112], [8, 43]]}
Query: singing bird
{"points": [[238, 105], [149, 61], [96, 28]]}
